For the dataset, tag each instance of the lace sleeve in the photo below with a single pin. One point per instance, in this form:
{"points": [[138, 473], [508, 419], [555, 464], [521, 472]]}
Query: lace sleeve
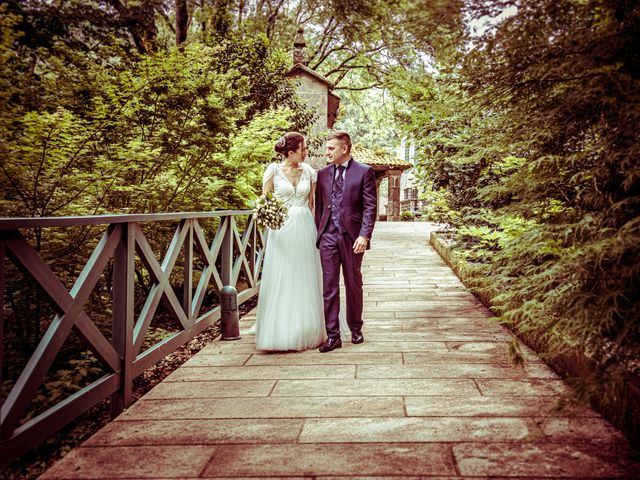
{"points": [[268, 173], [312, 173]]}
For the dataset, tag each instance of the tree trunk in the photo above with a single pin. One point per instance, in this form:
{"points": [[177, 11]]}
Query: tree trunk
{"points": [[182, 21], [219, 20], [141, 24]]}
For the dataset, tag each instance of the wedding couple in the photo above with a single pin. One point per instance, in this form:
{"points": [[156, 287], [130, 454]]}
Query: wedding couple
{"points": [[299, 302]]}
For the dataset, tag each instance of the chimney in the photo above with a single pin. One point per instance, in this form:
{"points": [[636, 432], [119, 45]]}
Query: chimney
{"points": [[298, 47]]}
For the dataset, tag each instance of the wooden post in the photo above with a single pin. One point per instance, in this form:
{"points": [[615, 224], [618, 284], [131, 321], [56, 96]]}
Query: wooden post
{"points": [[226, 252], [120, 243], [252, 246], [123, 316], [187, 292]]}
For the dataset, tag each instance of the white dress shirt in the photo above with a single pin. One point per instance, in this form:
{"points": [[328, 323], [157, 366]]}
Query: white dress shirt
{"points": [[344, 172]]}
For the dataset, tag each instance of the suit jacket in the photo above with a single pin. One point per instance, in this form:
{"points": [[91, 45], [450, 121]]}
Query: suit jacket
{"points": [[359, 200]]}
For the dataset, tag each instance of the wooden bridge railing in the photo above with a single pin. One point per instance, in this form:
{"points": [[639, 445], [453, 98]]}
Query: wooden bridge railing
{"points": [[229, 253]]}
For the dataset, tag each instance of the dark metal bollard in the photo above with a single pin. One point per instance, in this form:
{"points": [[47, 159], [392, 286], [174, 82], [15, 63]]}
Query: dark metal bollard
{"points": [[230, 318]]}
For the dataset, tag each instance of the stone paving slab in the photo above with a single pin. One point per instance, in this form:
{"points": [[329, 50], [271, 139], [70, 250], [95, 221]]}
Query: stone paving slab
{"points": [[252, 372], [431, 394], [332, 459], [228, 348], [456, 370], [199, 432], [212, 389], [447, 334], [463, 323], [266, 407], [374, 387], [442, 336], [562, 460], [410, 305], [403, 295], [172, 461], [532, 386], [435, 289], [392, 347], [341, 477], [337, 357], [448, 312], [458, 356], [444, 429], [482, 406], [594, 430], [217, 360], [437, 477]]}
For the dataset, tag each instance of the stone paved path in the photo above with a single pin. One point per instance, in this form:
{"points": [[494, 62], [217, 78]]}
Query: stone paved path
{"points": [[431, 393]]}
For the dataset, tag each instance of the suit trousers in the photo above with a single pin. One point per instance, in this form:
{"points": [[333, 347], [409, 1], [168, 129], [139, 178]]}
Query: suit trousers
{"points": [[336, 250]]}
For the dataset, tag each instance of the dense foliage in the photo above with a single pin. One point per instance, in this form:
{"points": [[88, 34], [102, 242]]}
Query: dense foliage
{"points": [[177, 130], [90, 126], [148, 106], [530, 148], [99, 117], [526, 135]]}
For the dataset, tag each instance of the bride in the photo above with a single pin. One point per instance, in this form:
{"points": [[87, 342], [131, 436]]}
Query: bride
{"points": [[290, 312]]}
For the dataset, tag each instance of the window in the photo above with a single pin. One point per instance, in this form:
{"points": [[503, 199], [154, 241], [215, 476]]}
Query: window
{"points": [[411, 193]]}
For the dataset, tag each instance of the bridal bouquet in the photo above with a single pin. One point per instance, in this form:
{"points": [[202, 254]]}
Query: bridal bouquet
{"points": [[270, 211]]}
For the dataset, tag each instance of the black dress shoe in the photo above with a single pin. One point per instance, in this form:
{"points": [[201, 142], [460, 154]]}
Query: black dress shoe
{"points": [[356, 337], [331, 344]]}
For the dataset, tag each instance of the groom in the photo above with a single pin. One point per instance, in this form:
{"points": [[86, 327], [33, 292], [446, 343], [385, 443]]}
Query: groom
{"points": [[346, 206]]}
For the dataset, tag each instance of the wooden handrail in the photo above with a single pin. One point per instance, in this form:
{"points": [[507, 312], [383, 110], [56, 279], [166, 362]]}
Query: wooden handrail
{"points": [[234, 252], [14, 223]]}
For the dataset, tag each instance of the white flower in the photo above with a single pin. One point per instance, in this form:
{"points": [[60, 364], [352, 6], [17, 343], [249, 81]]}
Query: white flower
{"points": [[270, 211]]}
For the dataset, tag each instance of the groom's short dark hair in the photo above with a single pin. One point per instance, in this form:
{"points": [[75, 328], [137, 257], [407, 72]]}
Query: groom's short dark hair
{"points": [[343, 137]]}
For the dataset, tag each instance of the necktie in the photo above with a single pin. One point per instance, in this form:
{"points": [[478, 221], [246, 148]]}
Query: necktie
{"points": [[336, 199], [337, 183]]}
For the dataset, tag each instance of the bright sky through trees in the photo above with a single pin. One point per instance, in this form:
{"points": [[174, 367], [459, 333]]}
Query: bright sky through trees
{"points": [[478, 27]]}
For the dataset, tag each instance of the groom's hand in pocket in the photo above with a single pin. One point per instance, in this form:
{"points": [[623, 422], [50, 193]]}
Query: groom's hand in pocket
{"points": [[360, 245]]}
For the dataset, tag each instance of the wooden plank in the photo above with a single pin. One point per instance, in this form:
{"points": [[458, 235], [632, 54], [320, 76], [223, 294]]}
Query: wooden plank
{"points": [[187, 273], [28, 260], [50, 421], [123, 313], [30, 222], [120, 242]]}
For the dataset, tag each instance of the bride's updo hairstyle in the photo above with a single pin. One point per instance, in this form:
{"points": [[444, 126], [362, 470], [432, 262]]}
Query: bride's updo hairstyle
{"points": [[289, 142]]}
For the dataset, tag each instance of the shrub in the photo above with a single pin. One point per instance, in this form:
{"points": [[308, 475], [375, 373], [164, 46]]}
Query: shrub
{"points": [[407, 216]]}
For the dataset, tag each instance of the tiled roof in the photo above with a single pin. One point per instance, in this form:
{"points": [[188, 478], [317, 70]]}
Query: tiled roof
{"points": [[378, 158], [298, 67]]}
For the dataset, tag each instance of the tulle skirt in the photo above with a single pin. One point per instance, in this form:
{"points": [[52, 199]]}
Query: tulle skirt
{"points": [[290, 312]]}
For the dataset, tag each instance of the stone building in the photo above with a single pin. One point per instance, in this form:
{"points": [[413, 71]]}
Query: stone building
{"points": [[389, 167], [410, 187], [316, 91]]}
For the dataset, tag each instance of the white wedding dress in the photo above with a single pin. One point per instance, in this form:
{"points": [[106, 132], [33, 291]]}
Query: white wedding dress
{"points": [[290, 312]]}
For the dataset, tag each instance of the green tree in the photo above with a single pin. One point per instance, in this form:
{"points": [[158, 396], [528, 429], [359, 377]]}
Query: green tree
{"points": [[109, 131], [353, 43], [531, 128], [565, 75], [368, 116]]}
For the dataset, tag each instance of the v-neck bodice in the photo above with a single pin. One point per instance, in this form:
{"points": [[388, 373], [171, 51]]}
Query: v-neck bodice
{"points": [[301, 168], [283, 187]]}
